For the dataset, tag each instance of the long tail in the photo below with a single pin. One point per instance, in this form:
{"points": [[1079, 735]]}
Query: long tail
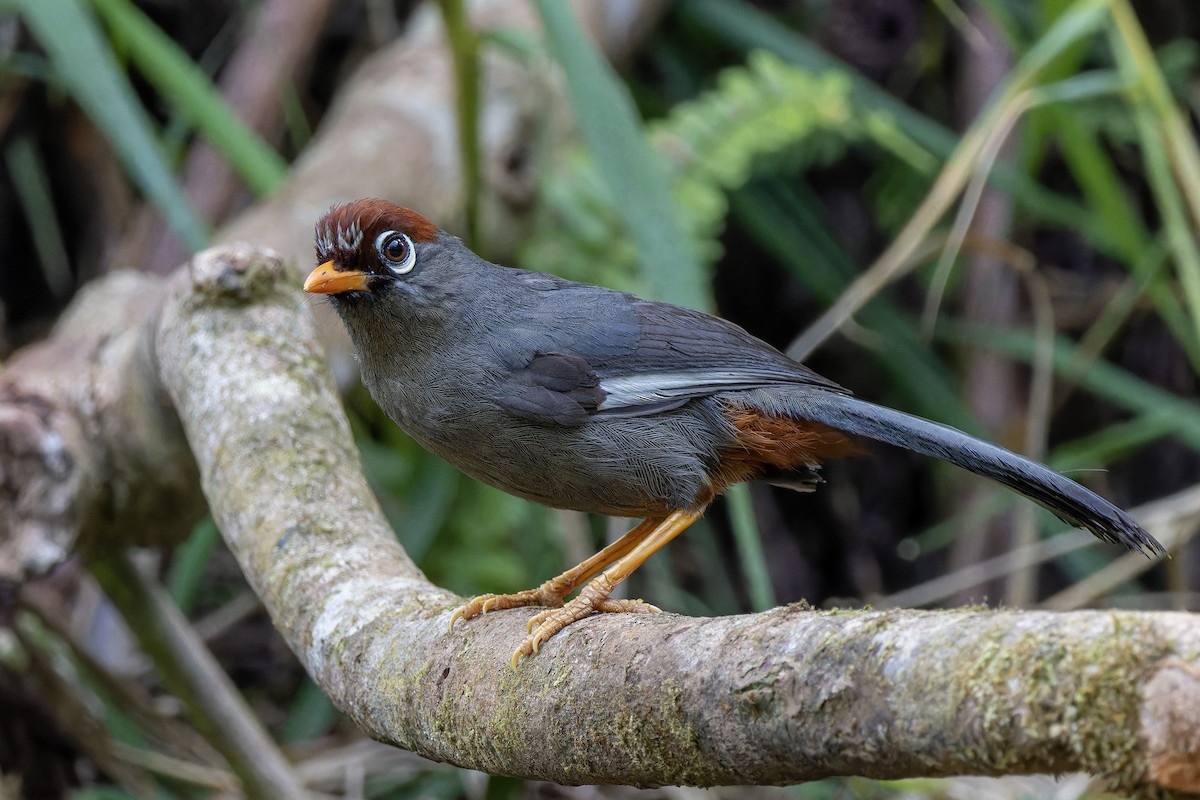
{"points": [[1064, 497]]}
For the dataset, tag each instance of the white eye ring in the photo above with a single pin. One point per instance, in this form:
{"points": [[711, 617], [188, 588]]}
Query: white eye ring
{"points": [[399, 263]]}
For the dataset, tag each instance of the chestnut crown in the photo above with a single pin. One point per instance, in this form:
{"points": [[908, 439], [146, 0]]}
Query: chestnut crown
{"points": [[369, 235]]}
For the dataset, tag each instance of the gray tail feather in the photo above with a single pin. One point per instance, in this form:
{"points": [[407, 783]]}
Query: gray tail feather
{"points": [[1064, 497]]}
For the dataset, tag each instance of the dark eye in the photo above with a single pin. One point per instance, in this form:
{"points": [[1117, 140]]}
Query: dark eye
{"points": [[397, 251]]}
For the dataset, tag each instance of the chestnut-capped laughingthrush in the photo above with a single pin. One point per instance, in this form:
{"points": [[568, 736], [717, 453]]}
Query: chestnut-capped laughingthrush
{"points": [[585, 398]]}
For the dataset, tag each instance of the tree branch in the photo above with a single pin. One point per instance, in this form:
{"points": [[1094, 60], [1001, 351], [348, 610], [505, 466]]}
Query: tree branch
{"points": [[89, 444], [789, 695]]}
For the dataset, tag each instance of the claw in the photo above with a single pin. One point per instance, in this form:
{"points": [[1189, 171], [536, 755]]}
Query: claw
{"points": [[523, 650], [546, 594], [472, 609], [530, 644], [538, 618]]}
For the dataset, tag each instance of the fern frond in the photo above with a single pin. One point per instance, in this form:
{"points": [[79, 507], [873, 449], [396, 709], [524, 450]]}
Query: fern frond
{"points": [[765, 116]]}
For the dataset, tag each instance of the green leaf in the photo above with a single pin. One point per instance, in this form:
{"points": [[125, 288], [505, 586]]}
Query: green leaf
{"points": [[765, 117], [744, 26], [1170, 153], [1110, 443], [631, 170], [32, 187], [311, 715], [186, 574], [1064, 36], [1102, 378], [748, 539], [90, 74], [189, 90]]}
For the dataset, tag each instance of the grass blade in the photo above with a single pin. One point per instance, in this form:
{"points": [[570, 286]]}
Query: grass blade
{"points": [[89, 72], [630, 167], [32, 187], [747, 537], [1102, 378], [190, 91], [1154, 117]]}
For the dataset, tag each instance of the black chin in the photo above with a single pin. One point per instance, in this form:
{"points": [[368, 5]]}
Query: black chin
{"points": [[353, 297]]}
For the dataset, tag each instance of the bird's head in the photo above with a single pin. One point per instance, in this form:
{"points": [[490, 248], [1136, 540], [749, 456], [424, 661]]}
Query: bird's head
{"points": [[368, 247]]}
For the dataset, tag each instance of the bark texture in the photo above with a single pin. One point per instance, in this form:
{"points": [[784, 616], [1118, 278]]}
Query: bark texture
{"points": [[89, 445]]}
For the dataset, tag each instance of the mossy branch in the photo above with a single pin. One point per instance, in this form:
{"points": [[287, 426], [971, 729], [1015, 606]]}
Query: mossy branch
{"points": [[784, 696], [779, 697]]}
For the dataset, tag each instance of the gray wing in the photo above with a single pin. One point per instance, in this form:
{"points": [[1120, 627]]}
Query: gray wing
{"points": [[559, 388], [683, 353], [579, 351]]}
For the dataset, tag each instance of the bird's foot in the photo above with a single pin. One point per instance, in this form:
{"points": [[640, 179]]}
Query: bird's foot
{"points": [[550, 593], [593, 599]]}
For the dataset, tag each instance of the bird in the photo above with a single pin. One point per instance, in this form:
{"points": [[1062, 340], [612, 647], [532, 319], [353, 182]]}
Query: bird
{"points": [[586, 398]]}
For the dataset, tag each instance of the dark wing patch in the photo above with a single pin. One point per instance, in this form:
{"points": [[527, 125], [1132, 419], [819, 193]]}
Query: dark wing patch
{"points": [[554, 388], [576, 350]]}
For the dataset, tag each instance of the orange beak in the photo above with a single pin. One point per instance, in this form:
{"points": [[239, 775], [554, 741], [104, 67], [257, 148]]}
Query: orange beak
{"points": [[325, 279]]}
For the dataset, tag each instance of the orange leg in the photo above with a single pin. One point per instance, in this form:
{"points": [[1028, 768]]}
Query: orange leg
{"points": [[595, 596], [552, 592]]}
